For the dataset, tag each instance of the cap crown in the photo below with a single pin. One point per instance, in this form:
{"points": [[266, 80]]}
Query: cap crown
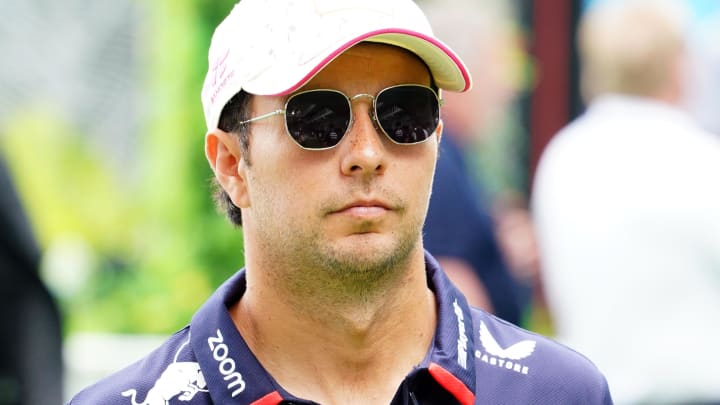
{"points": [[274, 47]]}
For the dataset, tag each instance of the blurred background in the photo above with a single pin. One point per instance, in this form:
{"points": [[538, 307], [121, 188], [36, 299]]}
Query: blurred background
{"points": [[101, 130]]}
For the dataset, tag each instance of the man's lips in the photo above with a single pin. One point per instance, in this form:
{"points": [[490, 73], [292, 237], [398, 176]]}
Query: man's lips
{"points": [[364, 208]]}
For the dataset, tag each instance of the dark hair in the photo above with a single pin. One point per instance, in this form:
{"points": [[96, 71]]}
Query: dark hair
{"points": [[234, 112]]}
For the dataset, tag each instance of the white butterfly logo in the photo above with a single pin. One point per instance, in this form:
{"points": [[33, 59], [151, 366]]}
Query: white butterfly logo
{"points": [[517, 351]]}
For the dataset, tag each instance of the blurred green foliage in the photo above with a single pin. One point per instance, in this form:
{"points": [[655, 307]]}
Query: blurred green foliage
{"points": [[158, 246]]}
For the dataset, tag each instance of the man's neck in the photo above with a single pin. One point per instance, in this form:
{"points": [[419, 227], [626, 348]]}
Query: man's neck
{"points": [[347, 351]]}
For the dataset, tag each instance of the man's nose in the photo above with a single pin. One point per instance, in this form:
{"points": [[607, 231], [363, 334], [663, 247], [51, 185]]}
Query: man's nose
{"points": [[365, 150]]}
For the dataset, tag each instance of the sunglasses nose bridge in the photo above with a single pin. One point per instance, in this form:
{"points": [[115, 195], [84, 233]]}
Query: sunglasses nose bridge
{"points": [[362, 95], [371, 111]]}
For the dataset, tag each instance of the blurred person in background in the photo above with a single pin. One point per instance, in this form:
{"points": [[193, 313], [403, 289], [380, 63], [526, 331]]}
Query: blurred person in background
{"points": [[627, 206], [30, 337], [323, 124], [460, 228]]}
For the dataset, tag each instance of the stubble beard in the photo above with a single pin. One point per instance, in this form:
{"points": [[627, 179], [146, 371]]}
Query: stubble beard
{"points": [[366, 268], [310, 266]]}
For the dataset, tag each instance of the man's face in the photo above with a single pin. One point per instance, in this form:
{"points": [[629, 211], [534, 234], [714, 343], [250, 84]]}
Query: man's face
{"points": [[355, 208]]}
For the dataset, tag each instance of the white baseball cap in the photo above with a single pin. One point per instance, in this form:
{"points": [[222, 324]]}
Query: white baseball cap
{"points": [[274, 47]]}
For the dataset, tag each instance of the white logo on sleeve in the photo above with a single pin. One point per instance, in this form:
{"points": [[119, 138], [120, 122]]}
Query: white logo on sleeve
{"points": [[504, 358], [182, 378]]}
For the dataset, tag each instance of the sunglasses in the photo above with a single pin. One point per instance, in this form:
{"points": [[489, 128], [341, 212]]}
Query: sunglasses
{"points": [[318, 119]]}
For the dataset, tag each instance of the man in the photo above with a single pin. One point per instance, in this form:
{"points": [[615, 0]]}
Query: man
{"points": [[323, 131], [628, 214]]}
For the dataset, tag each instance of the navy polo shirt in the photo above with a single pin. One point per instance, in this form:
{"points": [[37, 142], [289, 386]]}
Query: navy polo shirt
{"points": [[475, 358]]}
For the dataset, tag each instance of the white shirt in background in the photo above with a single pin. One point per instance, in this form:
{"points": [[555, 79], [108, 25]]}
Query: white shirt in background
{"points": [[626, 201]]}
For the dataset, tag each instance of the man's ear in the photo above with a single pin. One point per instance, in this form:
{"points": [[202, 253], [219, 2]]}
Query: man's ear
{"points": [[225, 156]]}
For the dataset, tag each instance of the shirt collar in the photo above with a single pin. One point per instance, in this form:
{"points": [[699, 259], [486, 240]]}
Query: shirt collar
{"points": [[451, 357], [233, 373]]}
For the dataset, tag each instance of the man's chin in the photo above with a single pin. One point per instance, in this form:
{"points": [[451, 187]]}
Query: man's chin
{"points": [[369, 246], [368, 256]]}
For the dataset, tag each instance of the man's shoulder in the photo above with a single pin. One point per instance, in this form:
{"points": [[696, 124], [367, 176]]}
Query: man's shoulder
{"points": [[524, 367], [170, 371]]}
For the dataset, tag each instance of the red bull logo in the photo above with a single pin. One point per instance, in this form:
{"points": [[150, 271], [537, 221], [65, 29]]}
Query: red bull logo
{"points": [[180, 379]]}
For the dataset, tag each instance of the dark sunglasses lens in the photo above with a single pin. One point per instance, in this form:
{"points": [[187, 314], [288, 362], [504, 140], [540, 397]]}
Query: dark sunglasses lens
{"points": [[317, 119], [408, 114]]}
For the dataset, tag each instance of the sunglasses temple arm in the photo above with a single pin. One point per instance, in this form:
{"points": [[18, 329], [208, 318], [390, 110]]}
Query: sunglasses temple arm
{"points": [[262, 117]]}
